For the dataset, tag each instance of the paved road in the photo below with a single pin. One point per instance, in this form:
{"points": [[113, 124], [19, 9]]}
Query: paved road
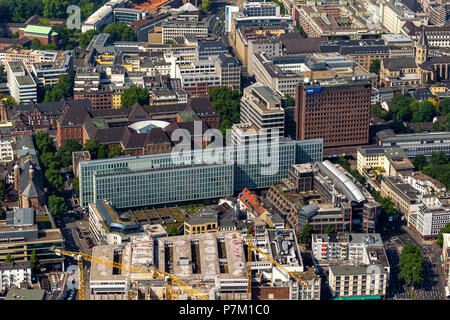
{"points": [[433, 286]]}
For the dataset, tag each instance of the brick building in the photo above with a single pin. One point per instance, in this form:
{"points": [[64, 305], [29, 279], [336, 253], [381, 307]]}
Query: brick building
{"points": [[337, 111]]}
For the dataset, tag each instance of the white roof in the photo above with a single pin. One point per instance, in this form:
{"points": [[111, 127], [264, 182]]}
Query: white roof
{"points": [[187, 7]]}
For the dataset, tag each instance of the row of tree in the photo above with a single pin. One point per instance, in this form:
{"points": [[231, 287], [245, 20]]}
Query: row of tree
{"points": [[405, 108], [20, 10]]}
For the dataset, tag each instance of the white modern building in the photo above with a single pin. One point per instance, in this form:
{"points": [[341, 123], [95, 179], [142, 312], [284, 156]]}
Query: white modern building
{"points": [[21, 84]]}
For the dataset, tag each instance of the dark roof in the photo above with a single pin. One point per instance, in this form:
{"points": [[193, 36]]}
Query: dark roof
{"points": [[190, 126], [226, 59], [31, 188], [294, 43], [399, 63], [137, 113], [13, 41], [423, 40], [412, 5], [202, 106], [76, 115], [157, 136], [165, 109], [422, 94], [110, 135]]}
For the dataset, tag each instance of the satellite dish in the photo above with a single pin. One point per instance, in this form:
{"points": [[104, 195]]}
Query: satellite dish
{"points": [[306, 80]]}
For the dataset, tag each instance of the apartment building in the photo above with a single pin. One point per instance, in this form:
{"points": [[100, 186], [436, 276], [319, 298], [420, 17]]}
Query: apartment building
{"points": [[22, 86], [337, 111], [15, 274], [261, 9], [271, 47]]}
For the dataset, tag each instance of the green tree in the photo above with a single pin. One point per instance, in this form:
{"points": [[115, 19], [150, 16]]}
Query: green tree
{"points": [[377, 111], [375, 66], [398, 127], [44, 143], [54, 179], [289, 101], [86, 37], [55, 8], [329, 229], [35, 44], [9, 258], [114, 151], [172, 230], [103, 151], [62, 89], [411, 265], [420, 161], [91, 146], [65, 152], [305, 236], [76, 185], [206, 5], [34, 262], [119, 31], [49, 161], [438, 158], [57, 205], [444, 106], [401, 106], [227, 103], [440, 238], [425, 112], [134, 94]]}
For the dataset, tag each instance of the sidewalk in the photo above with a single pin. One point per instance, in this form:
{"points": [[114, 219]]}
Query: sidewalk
{"points": [[416, 237]]}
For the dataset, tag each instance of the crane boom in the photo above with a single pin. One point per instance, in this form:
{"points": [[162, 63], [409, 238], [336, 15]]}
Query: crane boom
{"points": [[274, 262], [80, 279], [155, 272]]}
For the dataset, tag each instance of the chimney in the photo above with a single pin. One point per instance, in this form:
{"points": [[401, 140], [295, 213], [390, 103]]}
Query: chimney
{"points": [[16, 177], [31, 172]]}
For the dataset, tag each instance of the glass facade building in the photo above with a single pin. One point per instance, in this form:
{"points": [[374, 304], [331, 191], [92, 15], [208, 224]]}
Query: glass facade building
{"points": [[133, 181]]}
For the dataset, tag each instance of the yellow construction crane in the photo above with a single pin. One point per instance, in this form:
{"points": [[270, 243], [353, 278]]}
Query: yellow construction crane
{"points": [[273, 261], [156, 273]]}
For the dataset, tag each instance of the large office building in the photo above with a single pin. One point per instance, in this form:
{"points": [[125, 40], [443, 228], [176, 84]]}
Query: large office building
{"points": [[415, 143], [338, 111], [133, 181], [21, 84]]}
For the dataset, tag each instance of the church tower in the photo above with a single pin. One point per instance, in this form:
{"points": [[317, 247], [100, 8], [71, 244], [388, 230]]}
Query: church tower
{"points": [[421, 46]]}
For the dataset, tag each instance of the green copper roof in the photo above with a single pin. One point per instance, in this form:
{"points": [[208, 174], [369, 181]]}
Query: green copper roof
{"points": [[38, 29]]}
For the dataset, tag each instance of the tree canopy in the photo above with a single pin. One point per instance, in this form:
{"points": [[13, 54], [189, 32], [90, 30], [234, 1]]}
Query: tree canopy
{"points": [[420, 161], [91, 146], [86, 37], [330, 229], [119, 31], [228, 104], [439, 168], [375, 66], [54, 179], [34, 262], [305, 236], [57, 205], [65, 152], [134, 94], [411, 265]]}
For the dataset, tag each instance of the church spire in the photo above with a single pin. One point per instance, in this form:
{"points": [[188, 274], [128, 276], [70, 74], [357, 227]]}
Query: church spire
{"points": [[421, 47]]}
